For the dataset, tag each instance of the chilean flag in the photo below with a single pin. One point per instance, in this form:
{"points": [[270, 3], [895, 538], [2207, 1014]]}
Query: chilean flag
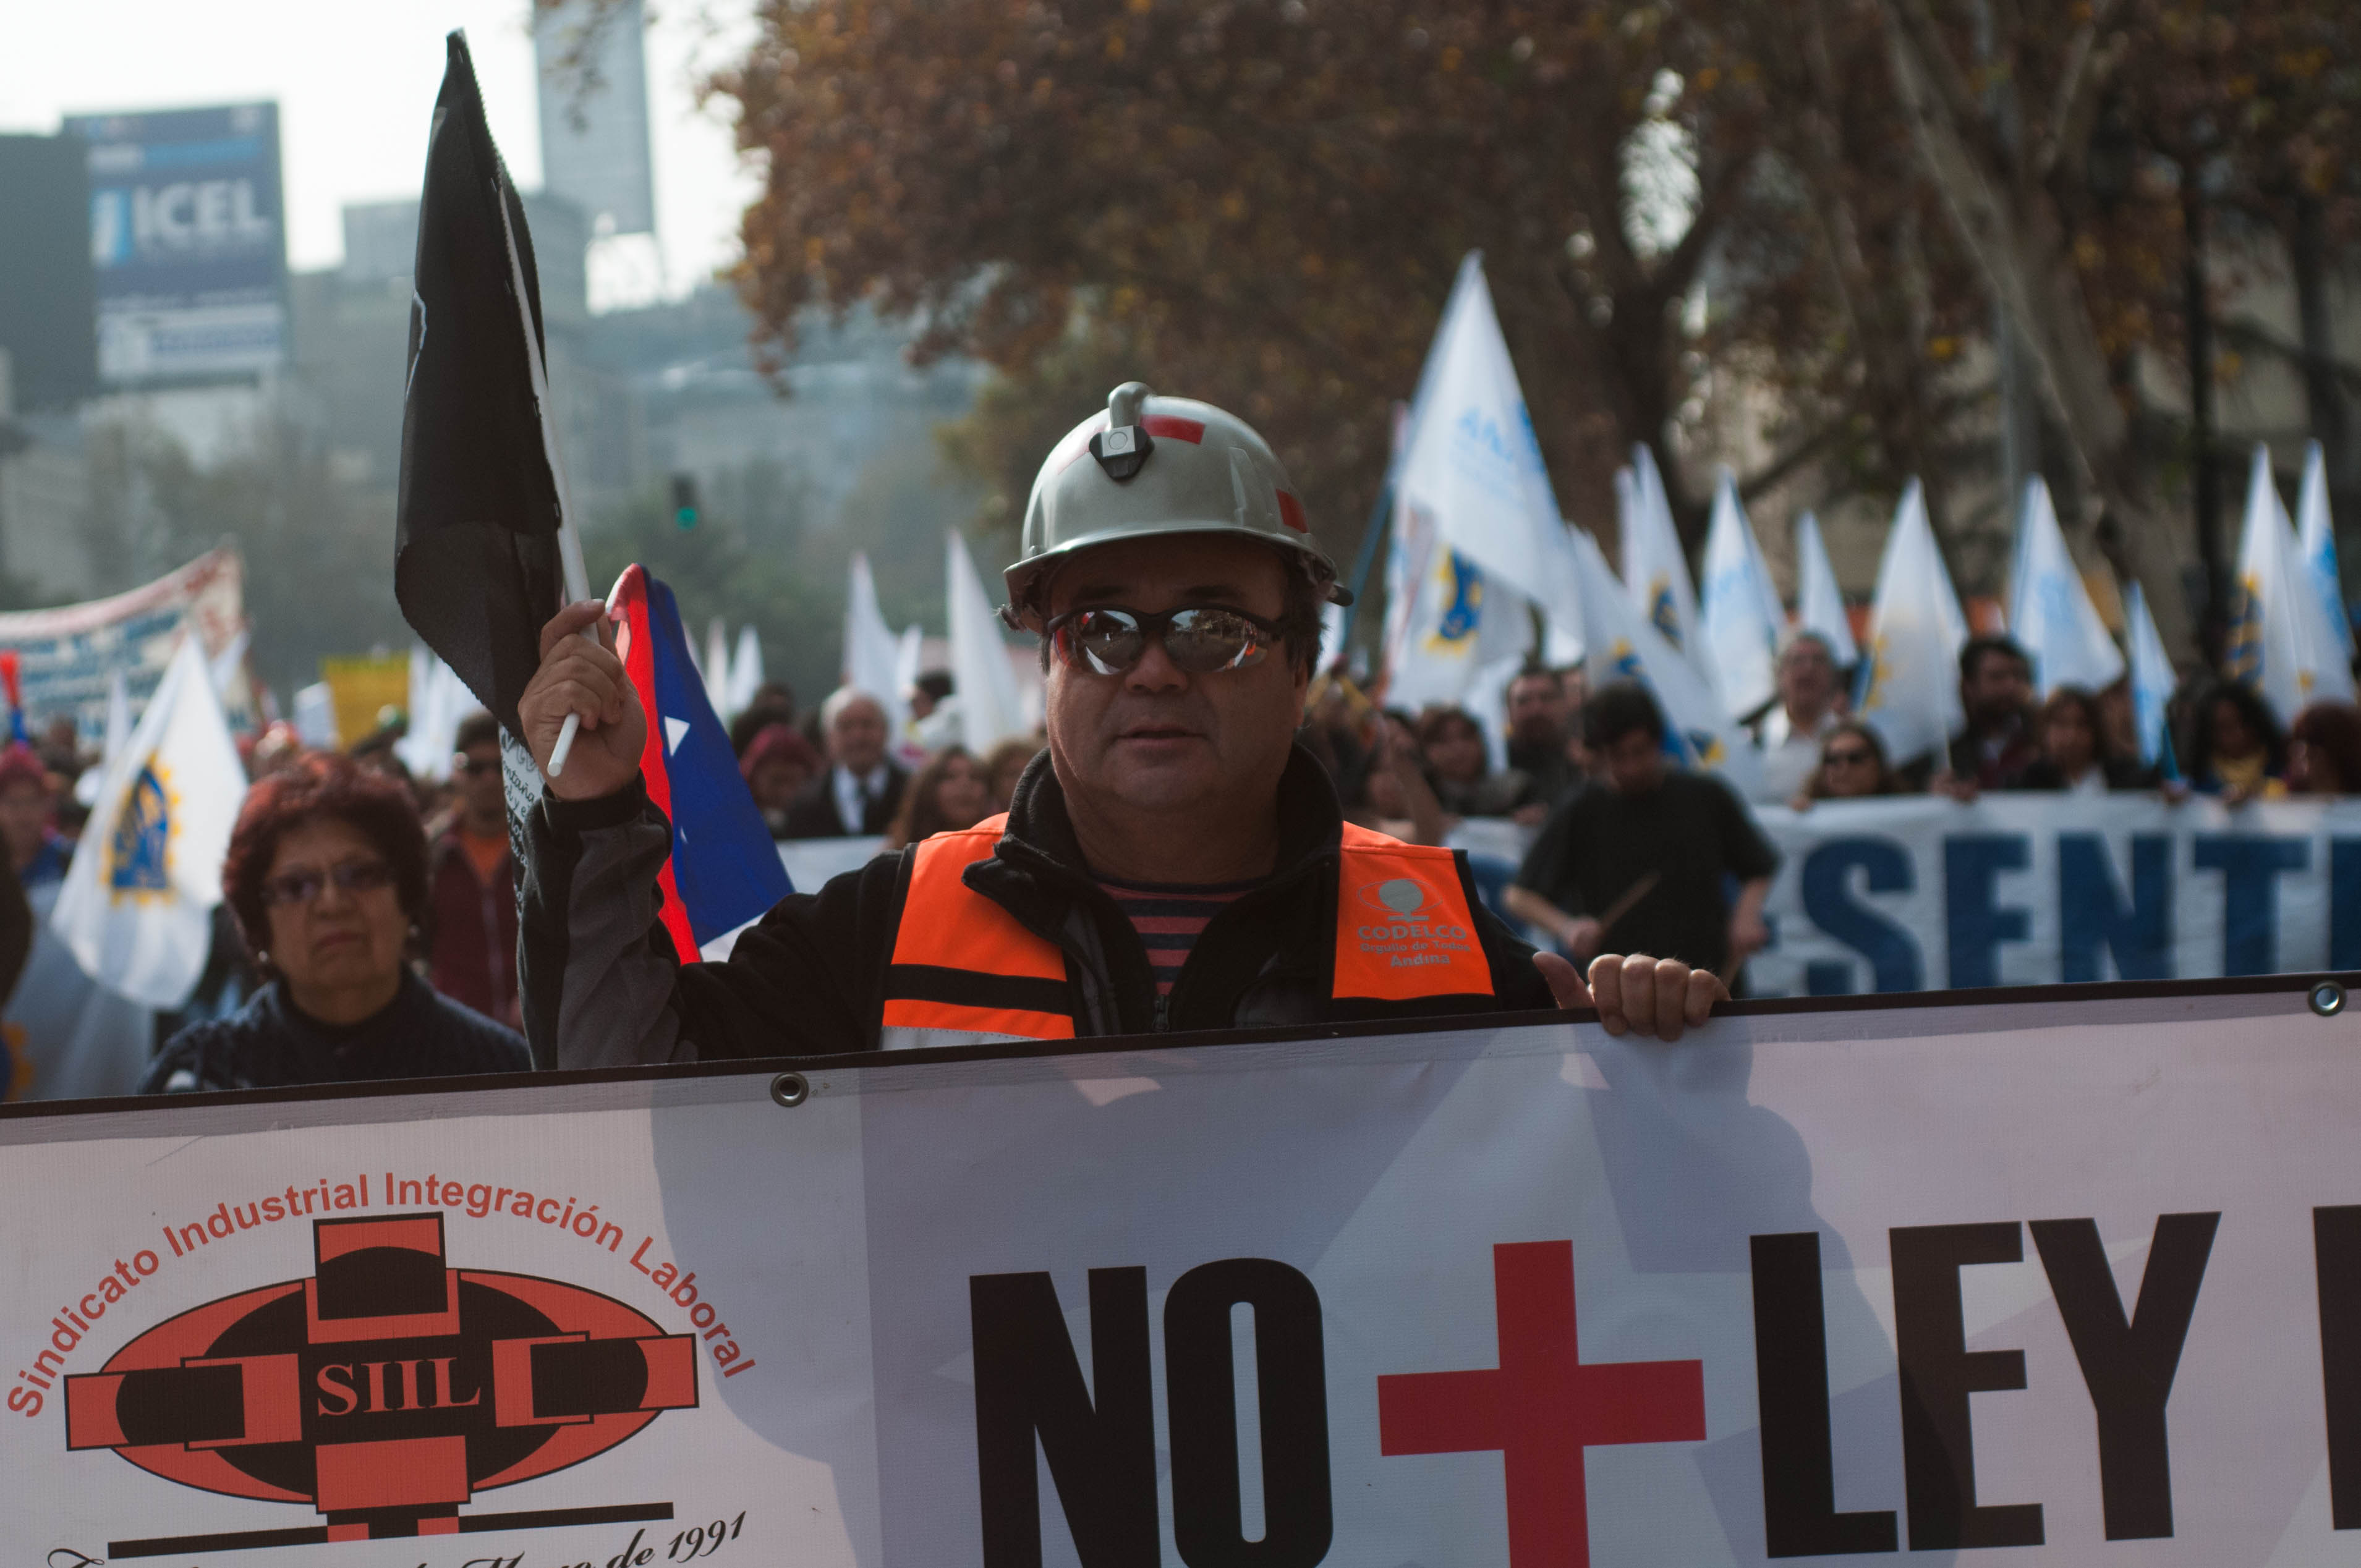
{"points": [[724, 872]]}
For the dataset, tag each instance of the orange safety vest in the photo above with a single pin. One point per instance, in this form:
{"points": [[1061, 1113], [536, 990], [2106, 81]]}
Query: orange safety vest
{"points": [[965, 971]]}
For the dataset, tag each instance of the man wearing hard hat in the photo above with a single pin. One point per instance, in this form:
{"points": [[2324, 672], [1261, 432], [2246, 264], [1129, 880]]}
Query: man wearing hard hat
{"points": [[1173, 859]]}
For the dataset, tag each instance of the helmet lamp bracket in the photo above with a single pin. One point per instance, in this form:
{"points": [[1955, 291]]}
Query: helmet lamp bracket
{"points": [[1122, 450]]}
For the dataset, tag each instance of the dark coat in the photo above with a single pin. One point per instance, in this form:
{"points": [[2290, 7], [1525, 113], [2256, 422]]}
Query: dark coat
{"points": [[601, 979], [812, 813], [473, 923], [271, 1044]]}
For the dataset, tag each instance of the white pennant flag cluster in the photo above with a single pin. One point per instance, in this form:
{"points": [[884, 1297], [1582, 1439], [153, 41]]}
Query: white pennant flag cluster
{"points": [[1625, 646], [1910, 684], [2315, 537], [1740, 619], [991, 708], [2153, 678], [872, 655], [2281, 640], [2050, 610], [135, 908], [1819, 602]]}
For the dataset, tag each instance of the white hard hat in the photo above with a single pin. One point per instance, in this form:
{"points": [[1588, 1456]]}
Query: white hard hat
{"points": [[1159, 465]]}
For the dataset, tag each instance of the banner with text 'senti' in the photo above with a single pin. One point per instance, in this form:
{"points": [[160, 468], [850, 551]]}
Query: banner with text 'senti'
{"points": [[2075, 1276], [1921, 891]]}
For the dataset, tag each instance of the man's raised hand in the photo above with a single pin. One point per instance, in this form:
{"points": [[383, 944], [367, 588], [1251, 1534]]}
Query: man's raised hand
{"points": [[578, 677]]}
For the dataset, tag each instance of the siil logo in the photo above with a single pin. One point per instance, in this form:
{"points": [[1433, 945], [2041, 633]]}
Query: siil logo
{"points": [[386, 1390]]}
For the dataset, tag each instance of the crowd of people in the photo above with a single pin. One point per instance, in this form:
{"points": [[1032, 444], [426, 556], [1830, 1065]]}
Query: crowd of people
{"points": [[369, 924], [1181, 840]]}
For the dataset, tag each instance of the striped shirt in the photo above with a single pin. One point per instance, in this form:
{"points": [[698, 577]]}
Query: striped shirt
{"points": [[1170, 918]]}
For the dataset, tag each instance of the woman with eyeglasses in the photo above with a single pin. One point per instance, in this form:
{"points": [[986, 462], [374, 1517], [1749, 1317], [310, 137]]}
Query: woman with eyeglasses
{"points": [[1853, 765], [327, 873]]}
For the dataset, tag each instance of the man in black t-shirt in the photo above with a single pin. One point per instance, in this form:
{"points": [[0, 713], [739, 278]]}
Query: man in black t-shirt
{"points": [[1638, 859]]}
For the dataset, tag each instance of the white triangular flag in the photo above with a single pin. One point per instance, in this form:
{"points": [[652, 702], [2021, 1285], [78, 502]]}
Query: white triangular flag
{"points": [[1819, 602], [990, 709], [2280, 640], [117, 736], [137, 905], [716, 668], [1741, 617], [1910, 681], [2050, 610], [1624, 645], [872, 655], [438, 700], [2153, 680], [231, 662], [1471, 461], [1655, 571], [745, 671], [2315, 536]]}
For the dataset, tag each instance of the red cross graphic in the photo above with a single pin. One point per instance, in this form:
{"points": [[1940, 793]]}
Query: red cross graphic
{"points": [[1542, 1406]]}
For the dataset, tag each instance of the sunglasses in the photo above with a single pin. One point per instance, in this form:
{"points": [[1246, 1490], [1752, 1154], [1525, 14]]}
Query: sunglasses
{"points": [[1200, 640], [1847, 759], [475, 767], [303, 887]]}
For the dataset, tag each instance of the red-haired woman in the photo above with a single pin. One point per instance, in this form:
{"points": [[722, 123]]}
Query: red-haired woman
{"points": [[326, 875]]}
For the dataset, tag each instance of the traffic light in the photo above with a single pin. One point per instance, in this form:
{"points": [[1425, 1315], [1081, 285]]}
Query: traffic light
{"points": [[684, 500]]}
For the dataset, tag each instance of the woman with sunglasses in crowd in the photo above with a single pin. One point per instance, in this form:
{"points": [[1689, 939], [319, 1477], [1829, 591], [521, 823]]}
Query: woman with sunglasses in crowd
{"points": [[326, 875], [1853, 765]]}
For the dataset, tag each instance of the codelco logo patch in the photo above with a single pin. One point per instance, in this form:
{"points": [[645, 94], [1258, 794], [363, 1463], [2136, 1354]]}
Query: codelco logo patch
{"points": [[387, 1390], [1404, 909]]}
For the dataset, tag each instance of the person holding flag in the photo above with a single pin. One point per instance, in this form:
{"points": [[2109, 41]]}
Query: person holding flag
{"points": [[1174, 861]]}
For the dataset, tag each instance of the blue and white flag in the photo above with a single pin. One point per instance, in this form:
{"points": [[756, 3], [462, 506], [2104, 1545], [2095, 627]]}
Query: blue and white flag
{"points": [[1623, 645], [2049, 611], [137, 907], [2281, 643], [1471, 462], [2316, 542], [1446, 621], [1819, 602], [1655, 570], [1910, 680], [1741, 618], [2153, 680]]}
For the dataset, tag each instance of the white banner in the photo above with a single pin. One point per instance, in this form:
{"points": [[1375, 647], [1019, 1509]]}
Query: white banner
{"points": [[71, 654], [2061, 1274], [1921, 891]]}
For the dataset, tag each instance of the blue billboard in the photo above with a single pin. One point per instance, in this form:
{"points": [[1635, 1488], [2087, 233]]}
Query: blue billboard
{"points": [[188, 239]]}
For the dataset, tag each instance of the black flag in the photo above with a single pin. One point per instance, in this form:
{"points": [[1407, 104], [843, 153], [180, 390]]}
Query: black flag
{"points": [[476, 548]]}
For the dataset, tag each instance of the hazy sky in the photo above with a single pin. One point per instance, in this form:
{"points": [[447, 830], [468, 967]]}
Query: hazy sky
{"points": [[355, 81]]}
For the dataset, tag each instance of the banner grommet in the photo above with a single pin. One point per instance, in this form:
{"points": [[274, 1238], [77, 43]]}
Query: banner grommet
{"points": [[792, 1088], [2327, 999]]}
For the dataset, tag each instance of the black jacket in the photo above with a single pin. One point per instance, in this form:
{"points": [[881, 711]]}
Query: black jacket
{"points": [[601, 981], [270, 1044], [812, 813]]}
